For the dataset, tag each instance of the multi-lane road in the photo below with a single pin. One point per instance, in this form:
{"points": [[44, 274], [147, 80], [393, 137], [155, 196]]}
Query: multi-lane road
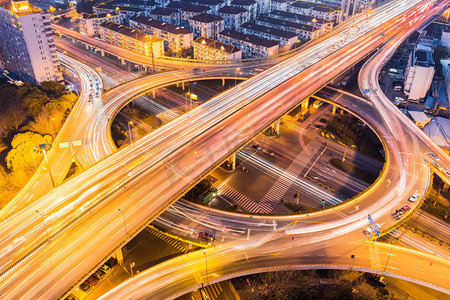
{"points": [[143, 177]]}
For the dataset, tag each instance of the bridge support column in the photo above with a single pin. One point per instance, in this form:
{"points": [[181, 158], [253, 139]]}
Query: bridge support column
{"points": [[102, 53], [182, 85], [122, 61], [276, 127], [223, 81], [87, 46], [232, 162], [144, 69], [119, 256], [153, 94], [334, 109], [73, 41], [305, 105]]}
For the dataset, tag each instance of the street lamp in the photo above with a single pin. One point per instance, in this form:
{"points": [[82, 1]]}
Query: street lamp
{"points": [[124, 221], [237, 69], [43, 223], [206, 267], [129, 131], [43, 148], [51, 127]]}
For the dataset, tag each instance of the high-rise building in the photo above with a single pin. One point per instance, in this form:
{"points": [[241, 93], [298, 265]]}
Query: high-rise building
{"points": [[27, 47]]}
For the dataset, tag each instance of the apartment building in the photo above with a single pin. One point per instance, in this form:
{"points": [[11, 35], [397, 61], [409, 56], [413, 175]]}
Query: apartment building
{"points": [[27, 47], [251, 45], [286, 39], [166, 14], [131, 39], [125, 12], [207, 25], [280, 4], [249, 5], [175, 38], [328, 12], [188, 10], [324, 24], [210, 49], [89, 23], [304, 32], [233, 16]]}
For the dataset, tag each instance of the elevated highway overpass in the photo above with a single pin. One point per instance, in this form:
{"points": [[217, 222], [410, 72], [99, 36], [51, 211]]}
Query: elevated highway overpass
{"points": [[100, 192]]}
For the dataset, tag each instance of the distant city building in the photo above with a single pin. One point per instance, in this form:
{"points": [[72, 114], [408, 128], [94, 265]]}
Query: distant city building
{"points": [[141, 4], [263, 6], [328, 12], [210, 49], [27, 47], [251, 45], [249, 5], [188, 10], [168, 15], [233, 16], [280, 4], [125, 12], [175, 38], [348, 6], [286, 38], [207, 25], [215, 5], [89, 23], [324, 24], [131, 39], [304, 32]]}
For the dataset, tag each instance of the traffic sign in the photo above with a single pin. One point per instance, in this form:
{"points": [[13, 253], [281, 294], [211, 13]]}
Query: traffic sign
{"points": [[367, 91], [370, 219], [377, 230]]}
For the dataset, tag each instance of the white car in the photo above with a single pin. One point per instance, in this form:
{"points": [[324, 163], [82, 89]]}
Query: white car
{"points": [[414, 197]]}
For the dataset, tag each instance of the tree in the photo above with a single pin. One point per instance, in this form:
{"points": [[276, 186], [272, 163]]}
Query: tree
{"points": [[21, 155], [53, 89]]}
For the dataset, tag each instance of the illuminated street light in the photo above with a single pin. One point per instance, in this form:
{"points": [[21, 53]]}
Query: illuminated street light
{"points": [[43, 148], [124, 221], [129, 131]]}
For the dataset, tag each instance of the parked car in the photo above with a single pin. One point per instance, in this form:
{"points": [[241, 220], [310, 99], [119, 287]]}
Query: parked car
{"points": [[323, 120], [256, 146], [111, 262], [99, 274], [92, 280], [86, 287], [318, 126], [105, 268], [206, 236], [414, 197], [405, 208], [268, 152], [378, 279]]}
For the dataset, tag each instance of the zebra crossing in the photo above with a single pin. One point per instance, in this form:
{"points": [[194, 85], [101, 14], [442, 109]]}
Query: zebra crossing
{"points": [[238, 198], [210, 292], [169, 240], [295, 127], [282, 185]]}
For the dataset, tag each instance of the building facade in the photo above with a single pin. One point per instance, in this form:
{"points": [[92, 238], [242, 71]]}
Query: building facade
{"points": [[27, 46], [89, 23], [210, 49], [233, 16], [249, 5], [328, 12], [125, 12], [175, 38], [304, 32], [207, 25], [286, 38], [280, 4], [251, 45], [188, 10], [131, 39], [324, 24], [167, 15]]}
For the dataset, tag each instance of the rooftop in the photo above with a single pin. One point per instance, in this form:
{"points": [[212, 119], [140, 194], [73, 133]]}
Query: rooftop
{"points": [[163, 11], [298, 17], [87, 16], [217, 45], [206, 18], [136, 3], [133, 33], [117, 7], [187, 6], [269, 30], [243, 2], [20, 7], [232, 10], [160, 25], [289, 24], [207, 2], [249, 38], [316, 6]]}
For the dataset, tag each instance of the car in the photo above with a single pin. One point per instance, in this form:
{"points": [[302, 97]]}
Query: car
{"points": [[405, 208], [323, 120], [92, 280], [369, 229], [318, 126], [105, 268], [413, 197], [437, 166], [447, 173], [206, 236], [400, 100], [86, 287], [99, 274], [256, 146], [268, 152], [378, 279], [111, 262]]}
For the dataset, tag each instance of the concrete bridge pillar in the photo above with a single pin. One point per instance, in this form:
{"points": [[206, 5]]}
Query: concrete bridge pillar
{"points": [[232, 161], [73, 40], [102, 52], [276, 127], [122, 61], [305, 105], [153, 94], [119, 256], [182, 85], [144, 69], [87, 46], [334, 109], [223, 81]]}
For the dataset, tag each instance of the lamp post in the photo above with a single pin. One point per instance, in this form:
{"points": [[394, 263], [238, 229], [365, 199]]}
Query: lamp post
{"points": [[129, 130], [43, 148], [124, 221], [43, 223], [235, 82], [51, 127], [34, 160], [345, 152], [206, 267], [132, 264]]}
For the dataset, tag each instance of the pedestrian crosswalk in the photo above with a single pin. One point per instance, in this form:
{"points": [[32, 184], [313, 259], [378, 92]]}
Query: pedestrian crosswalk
{"points": [[295, 127], [169, 240], [209, 292], [238, 198]]}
